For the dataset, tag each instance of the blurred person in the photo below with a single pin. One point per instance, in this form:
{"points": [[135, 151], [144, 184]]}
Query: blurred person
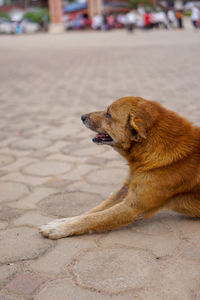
{"points": [[121, 20], [77, 21], [179, 19], [18, 28], [130, 21], [69, 23], [195, 17], [23, 25], [111, 21], [97, 22], [171, 18], [162, 19], [139, 21], [13, 27], [146, 20], [43, 24], [105, 24]]}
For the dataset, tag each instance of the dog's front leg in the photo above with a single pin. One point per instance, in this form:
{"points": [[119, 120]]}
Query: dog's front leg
{"points": [[118, 215], [114, 199]]}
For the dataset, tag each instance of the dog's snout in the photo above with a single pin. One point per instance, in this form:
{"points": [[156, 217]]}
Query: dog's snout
{"points": [[83, 118]]}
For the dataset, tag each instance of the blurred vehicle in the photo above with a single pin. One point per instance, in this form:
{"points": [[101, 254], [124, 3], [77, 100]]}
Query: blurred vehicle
{"points": [[6, 26], [9, 27], [30, 27]]}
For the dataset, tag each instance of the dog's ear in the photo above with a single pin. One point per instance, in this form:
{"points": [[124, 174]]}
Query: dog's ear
{"points": [[137, 128]]}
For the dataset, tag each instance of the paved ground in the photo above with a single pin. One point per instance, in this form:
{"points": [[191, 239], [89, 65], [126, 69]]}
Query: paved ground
{"points": [[50, 168]]}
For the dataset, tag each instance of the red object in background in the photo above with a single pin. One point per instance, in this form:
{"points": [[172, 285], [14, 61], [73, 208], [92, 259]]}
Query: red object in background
{"points": [[146, 19], [90, 22]]}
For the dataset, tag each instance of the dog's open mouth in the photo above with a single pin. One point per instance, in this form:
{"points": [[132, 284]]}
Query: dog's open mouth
{"points": [[102, 138]]}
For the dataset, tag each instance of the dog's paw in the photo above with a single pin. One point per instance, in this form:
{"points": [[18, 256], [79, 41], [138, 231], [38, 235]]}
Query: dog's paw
{"points": [[56, 229]]}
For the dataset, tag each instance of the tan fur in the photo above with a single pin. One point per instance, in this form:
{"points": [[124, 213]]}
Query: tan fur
{"points": [[163, 153]]}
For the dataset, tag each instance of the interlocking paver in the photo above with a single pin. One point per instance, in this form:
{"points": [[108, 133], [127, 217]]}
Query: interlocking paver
{"points": [[66, 204], [7, 271], [46, 168], [20, 244], [49, 166], [113, 270], [56, 261], [11, 191], [6, 159], [25, 284]]}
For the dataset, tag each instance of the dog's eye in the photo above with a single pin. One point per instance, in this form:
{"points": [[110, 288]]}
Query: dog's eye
{"points": [[108, 116]]}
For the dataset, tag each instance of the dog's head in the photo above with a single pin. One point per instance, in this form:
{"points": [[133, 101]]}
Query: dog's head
{"points": [[124, 123], [143, 131]]}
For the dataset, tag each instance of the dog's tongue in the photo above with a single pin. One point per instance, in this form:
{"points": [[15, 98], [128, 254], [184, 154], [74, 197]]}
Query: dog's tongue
{"points": [[101, 138], [100, 135]]}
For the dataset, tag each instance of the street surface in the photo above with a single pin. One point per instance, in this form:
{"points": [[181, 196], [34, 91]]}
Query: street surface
{"points": [[49, 167]]}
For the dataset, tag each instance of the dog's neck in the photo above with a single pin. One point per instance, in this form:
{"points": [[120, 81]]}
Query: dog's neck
{"points": [[167, 143]]}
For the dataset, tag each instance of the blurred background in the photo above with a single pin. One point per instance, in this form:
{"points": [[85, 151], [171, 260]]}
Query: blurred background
{"points": [[29, 16]]}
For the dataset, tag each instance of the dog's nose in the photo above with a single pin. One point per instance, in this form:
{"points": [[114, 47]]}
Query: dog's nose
{"points": [[83, 118]]}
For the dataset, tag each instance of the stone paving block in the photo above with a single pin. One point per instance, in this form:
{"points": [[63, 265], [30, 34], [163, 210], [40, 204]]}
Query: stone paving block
{"points": [[7, 297], [62, 289], [159, 245], [6, 159], [25, 284], [107, 176], [67, 157], [179, 280], [181, 225], [2, 173], [15, 153], [30, 180], [114, 270], [30, 201], [7, 214], [6, 142], [31, 144], [79, 171], [47, 168], [191, 252], [57, 146], [32, 219], [58, 182], [68, 204], [3, 225], [156, 225], [41, 154], [168, 222], [7, 271], [27, 241], [82, 149], [103, 190], [18, 164], [55, 261], [62, 132], [11, 191], [99, 161]]}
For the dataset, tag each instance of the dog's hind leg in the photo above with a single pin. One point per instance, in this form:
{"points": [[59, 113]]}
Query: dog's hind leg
{"points": [[187, 204]]}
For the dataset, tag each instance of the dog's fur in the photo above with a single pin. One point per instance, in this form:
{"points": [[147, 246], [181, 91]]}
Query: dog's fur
{"points": [[163, 153]]}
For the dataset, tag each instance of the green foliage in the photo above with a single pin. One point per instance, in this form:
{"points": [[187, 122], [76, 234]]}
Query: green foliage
{"points": [[37, 15], [4, 15], [187, 13], [135, 3]]}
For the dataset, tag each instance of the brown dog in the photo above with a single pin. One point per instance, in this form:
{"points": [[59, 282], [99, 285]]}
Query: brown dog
{"points": [[163, 154]]}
